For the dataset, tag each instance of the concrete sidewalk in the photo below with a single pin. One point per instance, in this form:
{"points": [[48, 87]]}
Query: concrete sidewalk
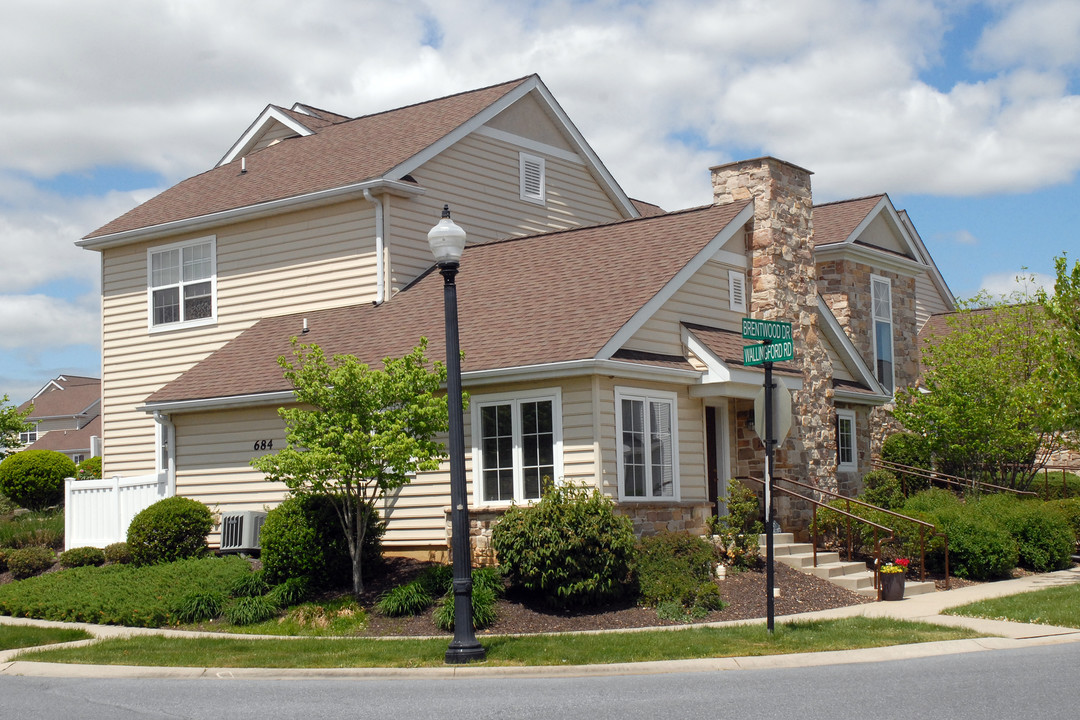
{"points": [[925, 608]]}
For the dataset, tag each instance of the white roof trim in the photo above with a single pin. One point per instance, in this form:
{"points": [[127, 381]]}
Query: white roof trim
{"points": [[251, 136], [935, 275], [719, 372], [220, 403], [248, 212], [623, 335], [878, 257], [484, 116], [856, 398], [530, 144], [843, 346]]}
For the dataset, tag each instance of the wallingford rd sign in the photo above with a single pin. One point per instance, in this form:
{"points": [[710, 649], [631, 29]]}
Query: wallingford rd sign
{"points": [[778, 346]]}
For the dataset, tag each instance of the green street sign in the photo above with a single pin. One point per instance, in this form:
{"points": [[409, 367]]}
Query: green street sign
{"points": [[775, 330], [772, 352]]}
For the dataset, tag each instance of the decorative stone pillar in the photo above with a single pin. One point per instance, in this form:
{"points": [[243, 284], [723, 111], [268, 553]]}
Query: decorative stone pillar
{"points": [[783, 284]]}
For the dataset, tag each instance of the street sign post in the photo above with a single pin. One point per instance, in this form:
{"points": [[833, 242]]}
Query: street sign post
{"points": [[777, 346]]}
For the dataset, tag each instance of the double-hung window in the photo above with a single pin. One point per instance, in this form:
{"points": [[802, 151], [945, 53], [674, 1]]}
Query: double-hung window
{"points": [[29, 436], [881, 292], [517, 443], [646, 431], [182, 281], [845, 441]]}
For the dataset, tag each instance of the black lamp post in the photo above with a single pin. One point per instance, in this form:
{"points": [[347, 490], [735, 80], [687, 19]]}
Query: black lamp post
{"points": [[447, 241]]}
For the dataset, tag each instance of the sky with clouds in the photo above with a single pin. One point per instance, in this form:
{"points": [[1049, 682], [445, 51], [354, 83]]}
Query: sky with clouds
{"points": [[966, 113]]}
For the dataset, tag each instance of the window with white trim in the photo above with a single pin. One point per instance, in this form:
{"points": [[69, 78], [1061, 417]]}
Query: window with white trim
{"points": [[182, 283], [881, 292], [737, 290], [29, 436], [646, 430], [532, 177], [517, 443], [846, 458]]}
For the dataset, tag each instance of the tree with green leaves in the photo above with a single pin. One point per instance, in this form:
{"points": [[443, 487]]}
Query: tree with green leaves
{"points": [[358, 432], [1063, 307], [12, 422], [993, 403]]}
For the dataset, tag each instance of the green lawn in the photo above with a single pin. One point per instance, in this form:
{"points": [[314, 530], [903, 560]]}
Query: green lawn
{"points": [[21, 636], [1052, 606], [799, 637]]}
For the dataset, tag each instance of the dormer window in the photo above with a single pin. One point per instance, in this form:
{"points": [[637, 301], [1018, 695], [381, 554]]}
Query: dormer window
{"points": [[181, 281], [532, 178]]}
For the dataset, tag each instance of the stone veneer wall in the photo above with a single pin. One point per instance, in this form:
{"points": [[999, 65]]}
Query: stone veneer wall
{"points": [[784, 287], [845, 287]]}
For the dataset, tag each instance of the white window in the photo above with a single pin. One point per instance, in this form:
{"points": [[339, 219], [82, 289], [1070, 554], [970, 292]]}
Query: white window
{"points": [[646, 431], [182, 283], [846, 458], [881, 292], [737, 291], [517, 444], [532, 178], [30, 436]]}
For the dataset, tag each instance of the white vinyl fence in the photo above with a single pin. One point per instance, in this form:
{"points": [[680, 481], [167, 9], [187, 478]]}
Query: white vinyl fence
{"points": [[98, 512]]}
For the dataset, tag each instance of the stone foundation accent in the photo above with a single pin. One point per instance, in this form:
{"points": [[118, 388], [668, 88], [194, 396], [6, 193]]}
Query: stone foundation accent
{"points": [[650, 518], [480, 523]]}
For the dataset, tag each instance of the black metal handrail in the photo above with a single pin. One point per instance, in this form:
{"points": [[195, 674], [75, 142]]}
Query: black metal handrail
{"points": [[934, 476], [924, 526]]}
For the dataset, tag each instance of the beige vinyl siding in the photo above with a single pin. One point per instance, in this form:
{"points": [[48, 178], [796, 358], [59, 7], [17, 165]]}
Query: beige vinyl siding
{"points": [[839, 370], [306, 260], [703, 299], [276, 131], [928, 300], [882, 233], [478, 178]]}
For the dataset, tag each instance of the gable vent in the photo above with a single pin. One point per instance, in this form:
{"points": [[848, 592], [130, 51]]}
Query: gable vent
{"points": [[532, 178], [737, 290]]}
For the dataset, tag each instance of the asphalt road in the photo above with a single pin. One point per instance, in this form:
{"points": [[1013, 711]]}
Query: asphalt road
{"points": [[1023, 683]]}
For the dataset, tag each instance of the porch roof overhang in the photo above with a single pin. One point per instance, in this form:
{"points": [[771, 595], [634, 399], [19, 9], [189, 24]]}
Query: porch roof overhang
{"points": [[724, 375]]}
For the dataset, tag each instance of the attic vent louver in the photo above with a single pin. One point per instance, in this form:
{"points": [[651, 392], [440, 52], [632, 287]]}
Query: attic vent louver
{"points": [[737, 290], [532, 178]]}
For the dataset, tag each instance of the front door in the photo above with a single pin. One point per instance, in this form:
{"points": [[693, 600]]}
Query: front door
{"points": [[716, 450]]}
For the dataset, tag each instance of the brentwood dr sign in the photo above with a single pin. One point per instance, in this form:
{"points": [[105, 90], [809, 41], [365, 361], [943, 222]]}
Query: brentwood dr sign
{"points": [[778, 345]]}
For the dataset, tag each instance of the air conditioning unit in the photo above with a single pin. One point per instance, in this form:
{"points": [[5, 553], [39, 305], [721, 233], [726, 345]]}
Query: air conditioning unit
{"points": [[240, 530]]}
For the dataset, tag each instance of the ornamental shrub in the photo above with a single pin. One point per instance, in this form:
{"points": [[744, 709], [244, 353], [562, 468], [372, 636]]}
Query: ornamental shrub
{"points": [[1070, 510], [483, 609], [302, 538], [89, 469], [250, 610], [81, 557], [676, 568], [3, 558], [250, 585], [34, 479], [907, 448], [979, 547], [118, 552], [738, 531], [199, 606], [882, 488], [1055, 485], [30, 561], [171, 529], [570, 548], [1044, 539]]}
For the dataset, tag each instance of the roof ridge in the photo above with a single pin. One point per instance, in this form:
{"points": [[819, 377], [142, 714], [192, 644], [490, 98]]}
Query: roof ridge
{"points": [[849, 200], [516, 82]]}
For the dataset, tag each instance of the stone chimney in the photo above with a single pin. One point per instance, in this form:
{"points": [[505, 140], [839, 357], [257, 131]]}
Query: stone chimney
{"points": [[783, 286]]}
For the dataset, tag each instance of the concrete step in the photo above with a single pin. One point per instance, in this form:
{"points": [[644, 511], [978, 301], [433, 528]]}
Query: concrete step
{"points": [[789, 549], [855, 583], [777, 538], [805, 560], [837, 569], [911, 588]]}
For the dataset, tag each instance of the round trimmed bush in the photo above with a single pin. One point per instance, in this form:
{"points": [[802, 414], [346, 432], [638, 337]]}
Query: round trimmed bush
{"points": [[302, 538], [82, 556], [89, 469], [34, 479], [118, 552], [882, 488], [171, 529], [30, 561], [570, 547], [675, 567], [979, 548]]}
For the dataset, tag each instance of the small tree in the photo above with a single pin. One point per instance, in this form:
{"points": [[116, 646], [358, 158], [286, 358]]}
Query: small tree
{"points": [[12, 422], [358, 432], [993, 402]]}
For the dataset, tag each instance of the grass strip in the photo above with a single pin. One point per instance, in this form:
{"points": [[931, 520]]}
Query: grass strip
{"points": [[798, 637], [1052, 606], [22, 636]]}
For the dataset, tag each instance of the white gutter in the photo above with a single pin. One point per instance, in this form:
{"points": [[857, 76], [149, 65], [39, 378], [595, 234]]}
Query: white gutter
{"points": [[248, 212], [380, 282], [220, 403]]}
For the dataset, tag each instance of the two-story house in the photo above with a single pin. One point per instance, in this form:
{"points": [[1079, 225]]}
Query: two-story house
{"points": [[601, 336], [66, 417]]}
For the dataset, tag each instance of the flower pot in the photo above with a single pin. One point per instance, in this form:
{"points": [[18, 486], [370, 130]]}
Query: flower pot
{"points": [[892, 586]]}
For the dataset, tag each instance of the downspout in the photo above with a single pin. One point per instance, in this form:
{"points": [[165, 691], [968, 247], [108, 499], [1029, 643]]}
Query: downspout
{"points": [[380, 279], [168, 430]]}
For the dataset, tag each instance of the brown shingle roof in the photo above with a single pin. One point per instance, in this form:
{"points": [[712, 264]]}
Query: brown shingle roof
{"points": [[75, 396], [834, 222], [335, 156], [68, 441], [529, 301]]}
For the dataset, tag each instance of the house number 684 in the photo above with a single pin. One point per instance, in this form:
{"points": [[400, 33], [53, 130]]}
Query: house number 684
{"points": [[264, 445]]}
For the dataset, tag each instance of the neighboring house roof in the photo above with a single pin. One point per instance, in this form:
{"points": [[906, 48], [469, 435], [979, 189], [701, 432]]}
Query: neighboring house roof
{"points": [[65, 396], [536, 301], [330, 153], [69, 441]]}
